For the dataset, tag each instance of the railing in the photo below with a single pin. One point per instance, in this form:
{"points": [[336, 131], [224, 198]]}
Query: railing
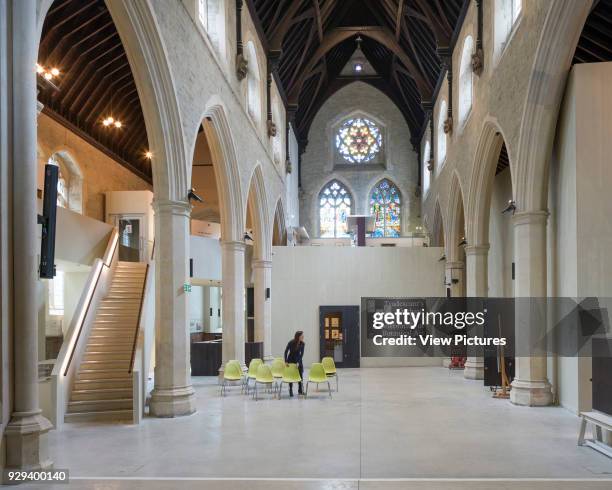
{"points": [[141, 351], [95, 289]]}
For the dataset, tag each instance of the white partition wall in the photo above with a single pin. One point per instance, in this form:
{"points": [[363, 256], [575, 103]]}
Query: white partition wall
{"points": [[304, 278]]}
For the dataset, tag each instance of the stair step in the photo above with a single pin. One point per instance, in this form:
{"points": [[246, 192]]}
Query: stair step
{"points": [[112, 383], [110, 415], [97, 365], [115, 355], [91, 374], [101, 394]]}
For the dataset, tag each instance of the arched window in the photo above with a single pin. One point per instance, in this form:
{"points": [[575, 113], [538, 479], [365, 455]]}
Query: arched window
{"points": [[385, 206], [212, 18], [441, 136], [335, 205], [69, 182], [358, 140], [465, 79], [426, 173], [253, 85], [507, 13]]}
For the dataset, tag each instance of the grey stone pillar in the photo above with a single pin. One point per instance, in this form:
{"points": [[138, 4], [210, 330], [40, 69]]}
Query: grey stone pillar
{"points": [[26, 447], [476, 259], [530, 386], [262, 275], [172, 394], [234, 318]]}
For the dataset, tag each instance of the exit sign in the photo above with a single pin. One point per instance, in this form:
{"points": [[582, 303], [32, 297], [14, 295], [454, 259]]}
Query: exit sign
{"points": [[187, 287]]}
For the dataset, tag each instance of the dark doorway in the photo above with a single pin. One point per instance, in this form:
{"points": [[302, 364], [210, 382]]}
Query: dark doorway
{"points": [[339, 334]]}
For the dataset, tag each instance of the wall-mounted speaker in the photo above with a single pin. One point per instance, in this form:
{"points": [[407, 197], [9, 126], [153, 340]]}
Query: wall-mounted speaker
{"points": [[48, 221]]}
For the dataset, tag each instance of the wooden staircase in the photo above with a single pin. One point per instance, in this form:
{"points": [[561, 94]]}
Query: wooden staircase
{"points": [[103, 386]]}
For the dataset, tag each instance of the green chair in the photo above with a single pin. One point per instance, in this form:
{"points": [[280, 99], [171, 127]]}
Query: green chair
{"points": [[277, 367], [264, 377], [291, 374], [231, 373], [317, 375], [330, 368], [252, 373]]}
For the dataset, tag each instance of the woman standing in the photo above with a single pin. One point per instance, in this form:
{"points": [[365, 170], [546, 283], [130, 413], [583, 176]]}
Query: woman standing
{"points": [[294, 352]]}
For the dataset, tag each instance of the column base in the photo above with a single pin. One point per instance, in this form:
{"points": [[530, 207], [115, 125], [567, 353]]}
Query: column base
{"points": [[26, 442], [172, 402], [531, 393], [474, 368]]}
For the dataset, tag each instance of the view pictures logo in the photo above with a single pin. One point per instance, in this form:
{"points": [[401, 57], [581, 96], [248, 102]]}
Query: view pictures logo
{"points": [[413, 319]]}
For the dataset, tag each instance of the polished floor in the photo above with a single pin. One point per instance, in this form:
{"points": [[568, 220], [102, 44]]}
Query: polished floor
{"points": [[386, 428]]}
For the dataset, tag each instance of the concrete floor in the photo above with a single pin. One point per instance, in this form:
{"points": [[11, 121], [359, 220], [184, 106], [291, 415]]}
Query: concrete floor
{"points": [[412, 427]]}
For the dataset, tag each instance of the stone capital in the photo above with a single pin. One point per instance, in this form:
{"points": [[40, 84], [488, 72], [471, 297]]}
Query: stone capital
{"points": [[233, 245], [261, 264], [530, 218], [482, 249], [168, 206], [455, 265]]}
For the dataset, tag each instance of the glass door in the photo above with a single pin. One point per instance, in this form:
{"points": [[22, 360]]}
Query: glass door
{"points": [[130, 238]]}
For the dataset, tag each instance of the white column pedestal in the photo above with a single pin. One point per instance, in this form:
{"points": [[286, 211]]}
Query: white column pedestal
{"points": [[262, 276], [173, 394], [476, 263], [234, 318], [530, 386], [26, 431]]}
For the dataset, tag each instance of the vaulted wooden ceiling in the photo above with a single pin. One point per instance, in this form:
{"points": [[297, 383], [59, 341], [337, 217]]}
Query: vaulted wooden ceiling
{"points": [[405, 41], [595, 44], [95, 82]]}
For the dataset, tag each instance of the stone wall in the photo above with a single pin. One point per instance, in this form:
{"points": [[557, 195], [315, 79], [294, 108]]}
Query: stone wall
{"points": [[320, 162], [100, 172]]}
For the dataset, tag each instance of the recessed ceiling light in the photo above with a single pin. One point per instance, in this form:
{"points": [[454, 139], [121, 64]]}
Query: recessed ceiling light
{"points": [[55, 72]]}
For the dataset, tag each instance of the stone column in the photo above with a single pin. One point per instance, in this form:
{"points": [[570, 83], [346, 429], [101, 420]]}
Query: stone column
{"points": [[455, 281], [530, 386], [234, 319], [476, 259], [173, 394], [26, 447], [262, 275]]}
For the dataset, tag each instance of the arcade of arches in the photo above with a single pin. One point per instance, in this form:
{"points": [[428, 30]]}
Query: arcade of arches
{"points": [[227, 170]]}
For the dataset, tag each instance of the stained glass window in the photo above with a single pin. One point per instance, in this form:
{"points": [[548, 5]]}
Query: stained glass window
{"points": [[385, 205], [334, 207], [358, 140]]}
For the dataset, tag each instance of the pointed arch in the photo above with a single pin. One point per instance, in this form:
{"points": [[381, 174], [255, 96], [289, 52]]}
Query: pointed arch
{"points": [[257, 207], [335, 202], [223, 153], [455, 220], [385, 203], [279, 228], [552, 62], [481, 182]]}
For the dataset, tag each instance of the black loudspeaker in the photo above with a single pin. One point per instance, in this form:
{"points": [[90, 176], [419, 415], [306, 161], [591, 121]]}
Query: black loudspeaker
{"points": [[47, 220]]}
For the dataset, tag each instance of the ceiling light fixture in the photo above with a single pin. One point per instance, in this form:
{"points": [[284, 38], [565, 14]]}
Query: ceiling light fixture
{"points": [[359, 57], [148, 155], [111, 121], [47, 73]]}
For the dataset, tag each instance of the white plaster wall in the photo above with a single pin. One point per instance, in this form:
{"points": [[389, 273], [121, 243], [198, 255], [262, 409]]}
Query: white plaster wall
{"points": [[304, 278], [292, 213], [580, 227], [318, 160], [74, 282], [206, 255]]}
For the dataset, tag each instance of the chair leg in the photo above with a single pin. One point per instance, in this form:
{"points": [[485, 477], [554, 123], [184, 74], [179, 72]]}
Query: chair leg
{"points": [[307, 385], [337, 389], [280, 390], [329, 389]]}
